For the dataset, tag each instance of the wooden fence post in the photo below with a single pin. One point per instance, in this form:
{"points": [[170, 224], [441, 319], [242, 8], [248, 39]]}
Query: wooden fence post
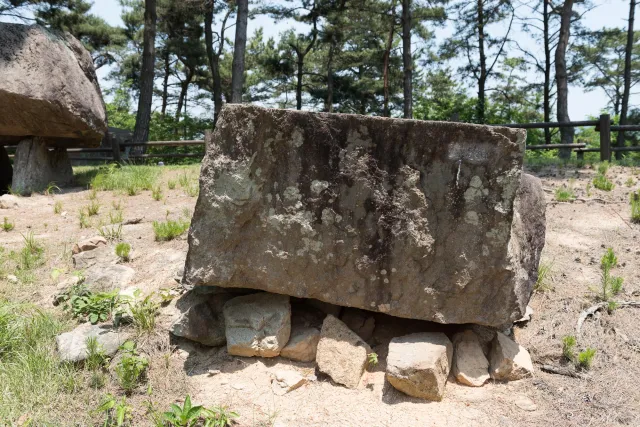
{"points": [[605, 137], [115, 147]]}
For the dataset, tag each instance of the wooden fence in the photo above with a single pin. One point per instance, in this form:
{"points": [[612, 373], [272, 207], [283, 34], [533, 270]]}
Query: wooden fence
{"points": [[603, 126]]}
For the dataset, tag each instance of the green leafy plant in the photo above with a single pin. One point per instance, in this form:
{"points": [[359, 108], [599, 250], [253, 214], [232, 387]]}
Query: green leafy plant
{"points": [[123, 250], [564, 194], [169, 229], [166, 295], [143, 314], [635, 206], [156, 193], [7, 225], [57, 207], [601, 182], [585, 358], [131, 368], [609, 285], [96, 307], [185, 416], [568, 347], [372, 359], [117, 414]]}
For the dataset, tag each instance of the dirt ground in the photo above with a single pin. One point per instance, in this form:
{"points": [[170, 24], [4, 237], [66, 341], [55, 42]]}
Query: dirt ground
{"points": [[578, 234]]}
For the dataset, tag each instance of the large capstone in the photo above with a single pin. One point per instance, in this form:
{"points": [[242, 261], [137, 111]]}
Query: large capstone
{"points": [[48, 87], [410, 218]]}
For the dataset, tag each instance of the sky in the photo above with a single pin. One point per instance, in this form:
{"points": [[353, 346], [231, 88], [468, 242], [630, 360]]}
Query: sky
{"points": [[607, 13]]}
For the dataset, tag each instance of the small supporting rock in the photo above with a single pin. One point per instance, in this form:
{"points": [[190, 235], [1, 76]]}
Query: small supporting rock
{"points": [[36, 166], [203, 322], [470, 366], [303, 344], [341, 353], [419, 364], [509, 360], [6, 171]]}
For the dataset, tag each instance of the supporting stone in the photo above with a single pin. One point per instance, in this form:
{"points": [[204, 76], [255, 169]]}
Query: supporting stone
{"points": [[6, 171], [36, 167]]}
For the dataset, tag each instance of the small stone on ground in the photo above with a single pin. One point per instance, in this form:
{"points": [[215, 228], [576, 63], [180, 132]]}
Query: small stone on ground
{"points": [[72, 345], [509, 361]]}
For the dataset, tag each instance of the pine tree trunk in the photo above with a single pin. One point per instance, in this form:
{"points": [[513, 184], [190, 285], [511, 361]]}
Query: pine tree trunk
{"points": [[143, 115], [482, 79], [213, 60], [165, 83], [328, 104], [407, 59], [547, 72], [237, 70], [387, 54], [299, 81], [566, 134], [627, 77]]}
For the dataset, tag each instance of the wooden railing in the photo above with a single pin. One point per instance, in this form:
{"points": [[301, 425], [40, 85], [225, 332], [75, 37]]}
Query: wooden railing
{"points": [[603, 126]]}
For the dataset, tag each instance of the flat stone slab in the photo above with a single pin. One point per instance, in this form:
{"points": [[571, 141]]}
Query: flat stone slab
{"points": [[410, 218], [72, 345]]}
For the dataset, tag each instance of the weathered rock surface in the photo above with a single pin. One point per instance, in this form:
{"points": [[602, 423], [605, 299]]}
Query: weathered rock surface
{"points": [[102, 255], [257, 324], [418, 364], [72, 345], [359, 321], [203, 321], [89, 244], [341, 353], [35, 166], [6, 171], [470, 365], [49, 87], [413, 219], [303, 344], [509, 360]]}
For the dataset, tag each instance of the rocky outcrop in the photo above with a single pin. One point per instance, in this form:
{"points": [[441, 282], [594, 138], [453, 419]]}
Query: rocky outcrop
{"points": [[341, 353], [413, 219], [48, 87], [36, 166], [509, 360], [419, 364], [257, 324]]}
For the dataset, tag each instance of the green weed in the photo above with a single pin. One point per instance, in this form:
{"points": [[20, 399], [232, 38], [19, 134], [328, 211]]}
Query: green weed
{"points": [[568, 347], [629, 182], [116, 413], [603, 168], [123, 250], [111, 232], [544, 275], [92, 208], [144, 314], [171, 184], [7, 225], [132, 367], [585, 358], [116, 217], [156, 193], [130, 179], [635, 206], [57, 207], [169, 229], [564, 194], [601, 182], [609, 285]]}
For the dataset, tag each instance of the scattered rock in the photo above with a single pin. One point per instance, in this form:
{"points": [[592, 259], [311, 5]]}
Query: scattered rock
{"points": [[109, 277], [341, 354], [132, 221], [285, 381], [72, 345], [324, 219], [418, 364], [470, 366], [525, 403], [303, 344], [89, 244], [12, 279], [509, 361], [359, 321], [213, 372], [101, 256], [257, 324], [203, 321], [8, 201]]}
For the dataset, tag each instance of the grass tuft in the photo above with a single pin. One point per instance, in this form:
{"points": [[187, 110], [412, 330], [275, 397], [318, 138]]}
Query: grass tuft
{"points": [[170, 229], [635, 206], [129, 179]]}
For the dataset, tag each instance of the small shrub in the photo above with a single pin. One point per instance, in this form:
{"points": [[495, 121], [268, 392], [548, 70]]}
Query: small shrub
{"points": [[171, 184], [635, 206], [184, 416], [156, 193], [609, 285], [629, 182], [585, 358], [132, 367], [169, 229], [564, 194], [568, 347], [111, 232], [601, 182], [123, 250], [117, 414], [7, 225], [57, 207], [93, 208]]}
